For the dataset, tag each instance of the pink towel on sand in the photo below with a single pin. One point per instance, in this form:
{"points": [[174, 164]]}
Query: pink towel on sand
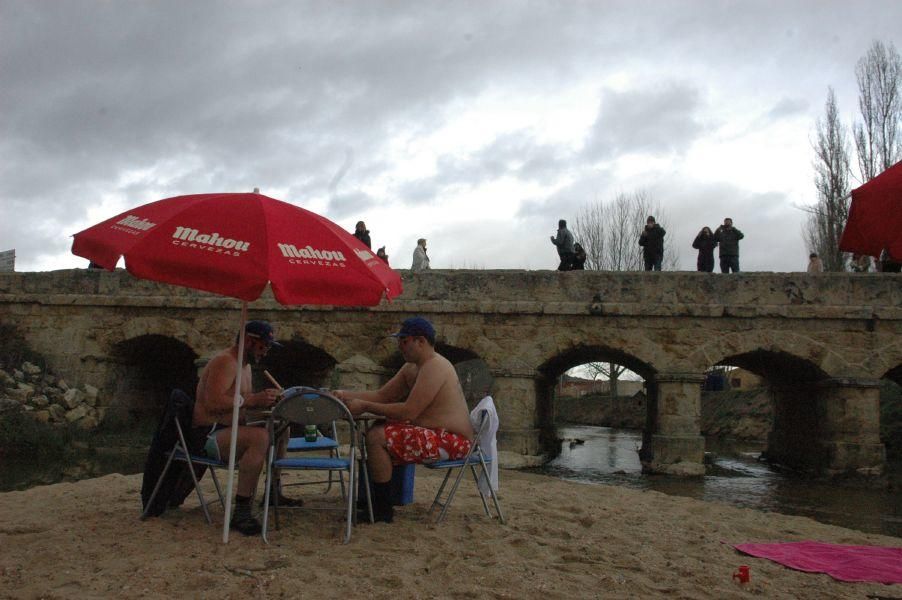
{"points": [[845, 563]]}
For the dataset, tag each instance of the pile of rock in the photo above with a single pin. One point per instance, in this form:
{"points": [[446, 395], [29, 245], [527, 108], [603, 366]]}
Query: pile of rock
{"points": [[49, 399]]}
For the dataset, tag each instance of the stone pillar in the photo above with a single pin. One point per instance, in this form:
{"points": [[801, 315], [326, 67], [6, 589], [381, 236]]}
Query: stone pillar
{"points": [[518, 412], [849, 412], [676, 445], [829, 427], [359, 373]]}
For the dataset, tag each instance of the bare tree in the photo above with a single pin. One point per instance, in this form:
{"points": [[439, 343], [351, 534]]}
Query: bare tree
{"points": [[610, 371], [609, 232], [877, 135], [831, 167]]}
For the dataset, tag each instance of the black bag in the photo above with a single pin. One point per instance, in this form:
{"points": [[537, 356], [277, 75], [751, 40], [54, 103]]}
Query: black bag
{"points": [[177, 484]]}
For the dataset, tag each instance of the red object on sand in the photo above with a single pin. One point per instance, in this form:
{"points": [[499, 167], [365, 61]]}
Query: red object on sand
{"points": [[742, 574], [234, 244], [841, 562], [875, 216]]}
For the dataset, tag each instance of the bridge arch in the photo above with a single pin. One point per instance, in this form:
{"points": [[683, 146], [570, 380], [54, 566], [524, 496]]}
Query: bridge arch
{"points": [[895, 374], [888, 362], [143, 371], [564, 359], [821, 415], [296, 362], [776, 352]]}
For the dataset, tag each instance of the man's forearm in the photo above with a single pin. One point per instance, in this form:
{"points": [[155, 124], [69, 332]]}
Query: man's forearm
{"points": [[371, 396], [392, 410]]}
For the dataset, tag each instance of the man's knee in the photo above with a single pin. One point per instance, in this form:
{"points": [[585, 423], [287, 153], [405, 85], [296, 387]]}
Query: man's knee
{"points": [[375, 437], [253, 442]]}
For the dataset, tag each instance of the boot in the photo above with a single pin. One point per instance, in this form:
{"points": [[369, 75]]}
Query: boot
{"points": [[242, 519], [361, 492], [383, 511]]}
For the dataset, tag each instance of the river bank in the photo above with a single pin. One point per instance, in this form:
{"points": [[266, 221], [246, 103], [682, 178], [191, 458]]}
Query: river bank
{"points": [[562, 540]]}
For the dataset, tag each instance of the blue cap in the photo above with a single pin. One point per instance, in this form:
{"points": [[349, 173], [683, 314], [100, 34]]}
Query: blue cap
{"points": [[261, 330], [416, 326]]}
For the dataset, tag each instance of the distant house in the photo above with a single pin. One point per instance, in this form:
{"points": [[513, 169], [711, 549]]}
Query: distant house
{"points": [[577, 387], [8, 261], [740, 379]]}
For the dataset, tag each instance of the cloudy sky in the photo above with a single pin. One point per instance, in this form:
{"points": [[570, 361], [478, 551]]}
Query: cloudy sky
{"points": [[476, 125]]}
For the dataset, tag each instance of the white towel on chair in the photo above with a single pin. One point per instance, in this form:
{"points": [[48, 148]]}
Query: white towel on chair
{"points": [[487, 440]]}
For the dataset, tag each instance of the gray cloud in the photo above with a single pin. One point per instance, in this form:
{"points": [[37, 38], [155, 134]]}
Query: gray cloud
{"points": [[514, 155], [149, 99], [788, 107], [660, 120]]}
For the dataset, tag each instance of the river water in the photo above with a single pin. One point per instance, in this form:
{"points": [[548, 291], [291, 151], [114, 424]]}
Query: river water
{"points": [[603, 455]]}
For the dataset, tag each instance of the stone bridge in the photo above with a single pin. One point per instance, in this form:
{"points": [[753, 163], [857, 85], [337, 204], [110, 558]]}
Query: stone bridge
{"points": [[822, 342]]}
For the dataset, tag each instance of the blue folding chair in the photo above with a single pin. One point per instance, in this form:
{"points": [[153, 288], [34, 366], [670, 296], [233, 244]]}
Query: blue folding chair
{"points": [[308, 406], [322, 443], [477, 461]]}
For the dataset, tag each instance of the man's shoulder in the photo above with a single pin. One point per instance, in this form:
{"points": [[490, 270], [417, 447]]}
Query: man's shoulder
{"points": [[436, 365], [223, 356]]}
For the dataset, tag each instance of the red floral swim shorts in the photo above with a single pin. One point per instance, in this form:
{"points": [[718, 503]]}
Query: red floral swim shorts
{"points": [[411, 444]]}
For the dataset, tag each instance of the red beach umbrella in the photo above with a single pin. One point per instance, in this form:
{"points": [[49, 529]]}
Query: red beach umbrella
{"points": [[875, 216], [234, 244]]}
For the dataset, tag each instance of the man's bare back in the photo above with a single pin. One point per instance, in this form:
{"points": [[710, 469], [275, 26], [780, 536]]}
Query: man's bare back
{"points": [[216, 389]]}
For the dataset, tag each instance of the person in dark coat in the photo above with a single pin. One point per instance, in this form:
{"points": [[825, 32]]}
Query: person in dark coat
{"points": [[705, 244], [728, 237], [362, 233], [888, 262], [579, 257], [381, 254], [652, 242], [564, 242]]}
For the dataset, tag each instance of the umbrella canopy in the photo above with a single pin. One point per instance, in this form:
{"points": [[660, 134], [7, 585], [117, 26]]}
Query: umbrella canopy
{"points": [[875, 217], [234, 244]]}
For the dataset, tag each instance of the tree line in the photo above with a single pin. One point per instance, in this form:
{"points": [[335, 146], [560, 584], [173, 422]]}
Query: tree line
{"points": [[877, 142]]}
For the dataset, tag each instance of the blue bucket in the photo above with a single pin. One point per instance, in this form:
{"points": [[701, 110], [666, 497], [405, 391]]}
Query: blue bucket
{"points": [[402, 484]]}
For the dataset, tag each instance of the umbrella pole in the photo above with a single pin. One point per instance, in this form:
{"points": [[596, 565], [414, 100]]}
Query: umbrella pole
{"points": [[233, 443]]}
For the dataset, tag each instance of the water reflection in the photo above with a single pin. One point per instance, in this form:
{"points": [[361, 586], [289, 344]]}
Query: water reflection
{"points": [[20, 473], [605, 455]]}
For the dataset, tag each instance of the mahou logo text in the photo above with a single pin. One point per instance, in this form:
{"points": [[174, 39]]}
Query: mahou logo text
{"points": [[211, 242]]}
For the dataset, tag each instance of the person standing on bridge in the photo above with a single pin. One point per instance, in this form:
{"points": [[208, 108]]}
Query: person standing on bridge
{"points": [[815, 264], [705, 244], [420, 258], [652, 242], [362, 233], [564, 242], [728, 237]]}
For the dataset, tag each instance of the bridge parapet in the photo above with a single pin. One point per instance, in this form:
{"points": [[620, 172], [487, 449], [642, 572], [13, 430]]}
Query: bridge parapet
{"points": [[743, 295]]}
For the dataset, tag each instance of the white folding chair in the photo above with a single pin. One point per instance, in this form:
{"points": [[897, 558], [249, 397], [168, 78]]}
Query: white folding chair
{"points": [[478, 462], [308, 406]]}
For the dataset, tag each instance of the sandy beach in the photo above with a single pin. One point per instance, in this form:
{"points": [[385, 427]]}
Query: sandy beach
{"points": [[561, 540]]}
